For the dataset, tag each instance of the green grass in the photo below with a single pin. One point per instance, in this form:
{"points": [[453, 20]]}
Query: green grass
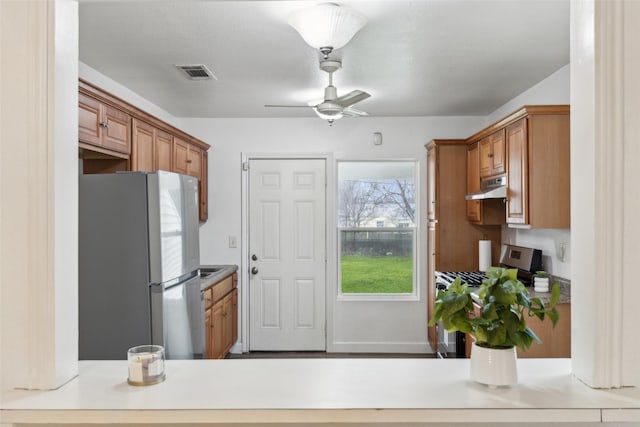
{"points": [[376, 274]]}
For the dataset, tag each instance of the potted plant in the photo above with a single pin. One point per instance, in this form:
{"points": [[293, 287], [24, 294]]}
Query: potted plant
{"points": [[501, 325]]}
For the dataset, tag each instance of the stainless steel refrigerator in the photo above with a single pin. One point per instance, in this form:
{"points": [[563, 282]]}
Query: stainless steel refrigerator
{"points": [[138, 265]]}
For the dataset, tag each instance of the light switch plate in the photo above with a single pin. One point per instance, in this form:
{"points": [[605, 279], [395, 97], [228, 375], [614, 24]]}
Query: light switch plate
{"points": [[233, 242]]}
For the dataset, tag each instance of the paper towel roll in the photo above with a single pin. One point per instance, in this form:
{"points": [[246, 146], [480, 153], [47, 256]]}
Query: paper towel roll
{"points": [[484, 255]]}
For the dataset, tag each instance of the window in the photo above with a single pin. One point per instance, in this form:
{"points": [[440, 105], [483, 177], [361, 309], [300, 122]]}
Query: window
{"points": [[376, 227]]}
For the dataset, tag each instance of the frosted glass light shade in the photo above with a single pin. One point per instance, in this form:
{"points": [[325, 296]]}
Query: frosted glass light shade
{"points": [[328, 116], [327, 25]]}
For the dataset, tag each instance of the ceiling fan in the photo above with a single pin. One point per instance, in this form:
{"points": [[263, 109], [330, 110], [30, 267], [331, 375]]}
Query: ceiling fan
{"points": [[333, 107]]}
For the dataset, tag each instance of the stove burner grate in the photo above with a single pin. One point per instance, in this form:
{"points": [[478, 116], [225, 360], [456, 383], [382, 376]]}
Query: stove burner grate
{"points": [[471, 278]]}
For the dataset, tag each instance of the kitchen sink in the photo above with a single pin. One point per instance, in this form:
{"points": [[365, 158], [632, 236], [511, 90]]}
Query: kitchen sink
{"points": [[208, 271]]}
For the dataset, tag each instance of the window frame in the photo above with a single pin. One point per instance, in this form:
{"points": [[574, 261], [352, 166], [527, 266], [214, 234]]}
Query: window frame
{"points": [[414, 295]]}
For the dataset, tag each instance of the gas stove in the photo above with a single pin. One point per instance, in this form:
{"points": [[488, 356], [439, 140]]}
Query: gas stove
{"points": [[526, 260], [471, 278]]}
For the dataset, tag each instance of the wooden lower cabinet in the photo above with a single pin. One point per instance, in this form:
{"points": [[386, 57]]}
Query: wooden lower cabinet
{"points": [[221, 317], [556, 342]]}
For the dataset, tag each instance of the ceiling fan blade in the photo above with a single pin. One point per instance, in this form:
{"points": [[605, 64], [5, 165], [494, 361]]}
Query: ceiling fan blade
{"points": [[288, 106], [351, 98], [352, 112]]}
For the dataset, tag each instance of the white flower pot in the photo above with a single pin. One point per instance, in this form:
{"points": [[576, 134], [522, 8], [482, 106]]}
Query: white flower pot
{"points": [[541, 284], [493, 367]]}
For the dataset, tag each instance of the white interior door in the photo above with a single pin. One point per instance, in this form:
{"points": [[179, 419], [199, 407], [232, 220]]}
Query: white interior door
{"points": [[287, 254]]}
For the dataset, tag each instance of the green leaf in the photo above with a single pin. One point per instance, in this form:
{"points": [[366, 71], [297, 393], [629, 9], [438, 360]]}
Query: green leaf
{"points": [[554, 316], [555, 294], [533, 335]]}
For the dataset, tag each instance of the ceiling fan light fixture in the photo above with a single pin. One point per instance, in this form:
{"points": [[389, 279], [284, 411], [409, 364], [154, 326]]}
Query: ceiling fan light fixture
{"points": [[327, 26], [329, 117]]}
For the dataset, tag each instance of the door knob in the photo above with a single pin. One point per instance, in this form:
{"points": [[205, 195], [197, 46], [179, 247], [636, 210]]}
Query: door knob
{"points": [[254, 270], [254, 257]]}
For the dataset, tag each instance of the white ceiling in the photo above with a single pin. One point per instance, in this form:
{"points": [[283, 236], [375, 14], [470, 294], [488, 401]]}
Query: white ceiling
{"points": [[416, 58]]}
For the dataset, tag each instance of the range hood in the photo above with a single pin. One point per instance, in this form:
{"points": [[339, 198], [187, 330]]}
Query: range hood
{"points": [[495, 188]]}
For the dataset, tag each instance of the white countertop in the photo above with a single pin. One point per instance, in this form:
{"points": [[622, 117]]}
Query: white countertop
{"points": [[336, 390]]}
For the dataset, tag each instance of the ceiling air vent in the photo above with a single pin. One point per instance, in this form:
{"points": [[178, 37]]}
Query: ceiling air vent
{"points": [[197, 72]]}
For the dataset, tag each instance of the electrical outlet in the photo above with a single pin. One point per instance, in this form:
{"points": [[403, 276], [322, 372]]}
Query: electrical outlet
{"points": [[233, 242]]}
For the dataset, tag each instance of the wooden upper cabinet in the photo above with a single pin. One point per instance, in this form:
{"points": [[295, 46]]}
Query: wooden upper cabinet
{"points": [[480, 212], [187, 158], [163, 149], [142, 153], [194, 161], [492, 155], [151, 148], [517, 206], [89, 119], [116, 136], [103, 126], [190, 159], [180, 153], [474, 207], [538, 178], [531, 146]]}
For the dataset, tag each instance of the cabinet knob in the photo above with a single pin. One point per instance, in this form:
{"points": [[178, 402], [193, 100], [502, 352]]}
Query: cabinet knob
{"points": [[189, 161], [490, 155], [104, 125]]}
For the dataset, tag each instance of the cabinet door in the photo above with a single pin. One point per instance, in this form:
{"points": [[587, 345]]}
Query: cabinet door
{"points": [[474, 207], [486, 165], [163, 148], [431, 183], [142, 153], [492, 154], [208, 333], [234, 316], [556, 342], [517, 173], [194, 161], [227, 327], [116, 130], [203, 194], [180, 149], [497, 153], [432, 333], [89, 118], [217, 321]]}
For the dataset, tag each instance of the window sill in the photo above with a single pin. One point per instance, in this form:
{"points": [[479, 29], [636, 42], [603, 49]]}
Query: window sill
{"points": [[377, 297], [341, 391]]}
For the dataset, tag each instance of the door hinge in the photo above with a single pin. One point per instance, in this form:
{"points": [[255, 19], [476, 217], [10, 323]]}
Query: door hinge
{"points": [[245, 166]]}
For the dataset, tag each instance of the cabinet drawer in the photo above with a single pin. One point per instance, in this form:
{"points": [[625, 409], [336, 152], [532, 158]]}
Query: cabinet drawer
{"points": [[222, 288], [208, 298]]}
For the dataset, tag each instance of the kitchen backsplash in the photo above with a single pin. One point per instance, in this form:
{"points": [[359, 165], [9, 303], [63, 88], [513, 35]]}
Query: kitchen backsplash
{"points": [[554, 243]]}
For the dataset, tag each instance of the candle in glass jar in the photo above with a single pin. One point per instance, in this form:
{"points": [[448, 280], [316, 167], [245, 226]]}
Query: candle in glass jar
{"points": [[146, 365]]}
